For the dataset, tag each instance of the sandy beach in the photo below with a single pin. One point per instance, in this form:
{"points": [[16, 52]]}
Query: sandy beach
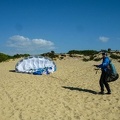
{"points": [[70, 93]]}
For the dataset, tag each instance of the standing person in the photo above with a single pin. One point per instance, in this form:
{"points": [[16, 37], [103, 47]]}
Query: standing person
{"points": [[103, 79]]}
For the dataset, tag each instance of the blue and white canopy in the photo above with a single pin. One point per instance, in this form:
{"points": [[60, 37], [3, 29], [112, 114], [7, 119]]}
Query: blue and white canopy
{"points": [[37, 65]]}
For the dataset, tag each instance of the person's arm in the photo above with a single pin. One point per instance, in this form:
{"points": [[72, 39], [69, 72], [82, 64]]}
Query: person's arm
{"points": [[104, 64]]}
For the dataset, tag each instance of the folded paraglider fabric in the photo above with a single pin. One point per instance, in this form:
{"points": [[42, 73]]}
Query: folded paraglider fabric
{"points": [[36, 65]]}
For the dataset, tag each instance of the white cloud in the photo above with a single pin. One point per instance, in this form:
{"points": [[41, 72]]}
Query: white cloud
{"points": [[103, 39], [18, 41], [42, 42], [26, 45]]}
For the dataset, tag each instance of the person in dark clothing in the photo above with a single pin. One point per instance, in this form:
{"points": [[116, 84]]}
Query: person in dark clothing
{"points": [[103, 79]]}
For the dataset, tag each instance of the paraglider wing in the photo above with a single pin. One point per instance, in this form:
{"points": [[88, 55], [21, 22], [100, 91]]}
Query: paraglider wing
{"points": [[36, 65]]}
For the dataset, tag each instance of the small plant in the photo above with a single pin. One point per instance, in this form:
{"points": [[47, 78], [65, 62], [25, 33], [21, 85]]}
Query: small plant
{"points": [[61, 57], [91, 57], [70, 55], [85, 59], [97, 59], [118, 60]]}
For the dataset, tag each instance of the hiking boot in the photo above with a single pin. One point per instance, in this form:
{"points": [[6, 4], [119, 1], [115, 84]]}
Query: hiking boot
{"points": [[102, 93], [108, 93]]}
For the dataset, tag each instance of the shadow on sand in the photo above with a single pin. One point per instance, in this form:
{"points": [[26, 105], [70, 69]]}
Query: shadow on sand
{"points": [[80, 89], [11, 70]]}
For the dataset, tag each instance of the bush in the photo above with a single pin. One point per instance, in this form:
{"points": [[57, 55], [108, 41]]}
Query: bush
{"points": [[85, 59], [4, 57], [113, 56], [20, 55], [97, 59], [83, 52], [51, 55], [91, 57]]}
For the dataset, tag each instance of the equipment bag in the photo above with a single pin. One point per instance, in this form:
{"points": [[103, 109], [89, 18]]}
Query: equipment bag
{"points": [[112, 77], [112, 73]]}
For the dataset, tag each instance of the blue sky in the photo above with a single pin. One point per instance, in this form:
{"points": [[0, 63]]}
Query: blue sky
{"points": [[39, 26]]}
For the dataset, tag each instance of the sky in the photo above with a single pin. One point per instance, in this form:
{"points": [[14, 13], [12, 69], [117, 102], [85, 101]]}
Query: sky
{"points": [[40, 26]]}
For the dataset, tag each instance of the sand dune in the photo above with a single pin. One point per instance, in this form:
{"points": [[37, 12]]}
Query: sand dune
{"points": [[70, 93]]}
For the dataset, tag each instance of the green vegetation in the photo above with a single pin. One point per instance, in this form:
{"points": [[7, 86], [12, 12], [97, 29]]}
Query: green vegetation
{"points": [[97, 59], [83, 52], [113, 56], [20, 55], [86, 55], [4, 57], [51, 55], [91, 54]]}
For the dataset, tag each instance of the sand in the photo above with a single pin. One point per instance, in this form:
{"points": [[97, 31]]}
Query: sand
{"points": [[70, 93]]}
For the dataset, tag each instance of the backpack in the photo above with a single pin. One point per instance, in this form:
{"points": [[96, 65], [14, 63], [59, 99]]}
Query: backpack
{"points": [[112, 73]]}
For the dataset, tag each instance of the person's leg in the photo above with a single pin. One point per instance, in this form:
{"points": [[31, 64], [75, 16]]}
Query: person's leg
{"points": [[101, 82], [106, 84]]}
